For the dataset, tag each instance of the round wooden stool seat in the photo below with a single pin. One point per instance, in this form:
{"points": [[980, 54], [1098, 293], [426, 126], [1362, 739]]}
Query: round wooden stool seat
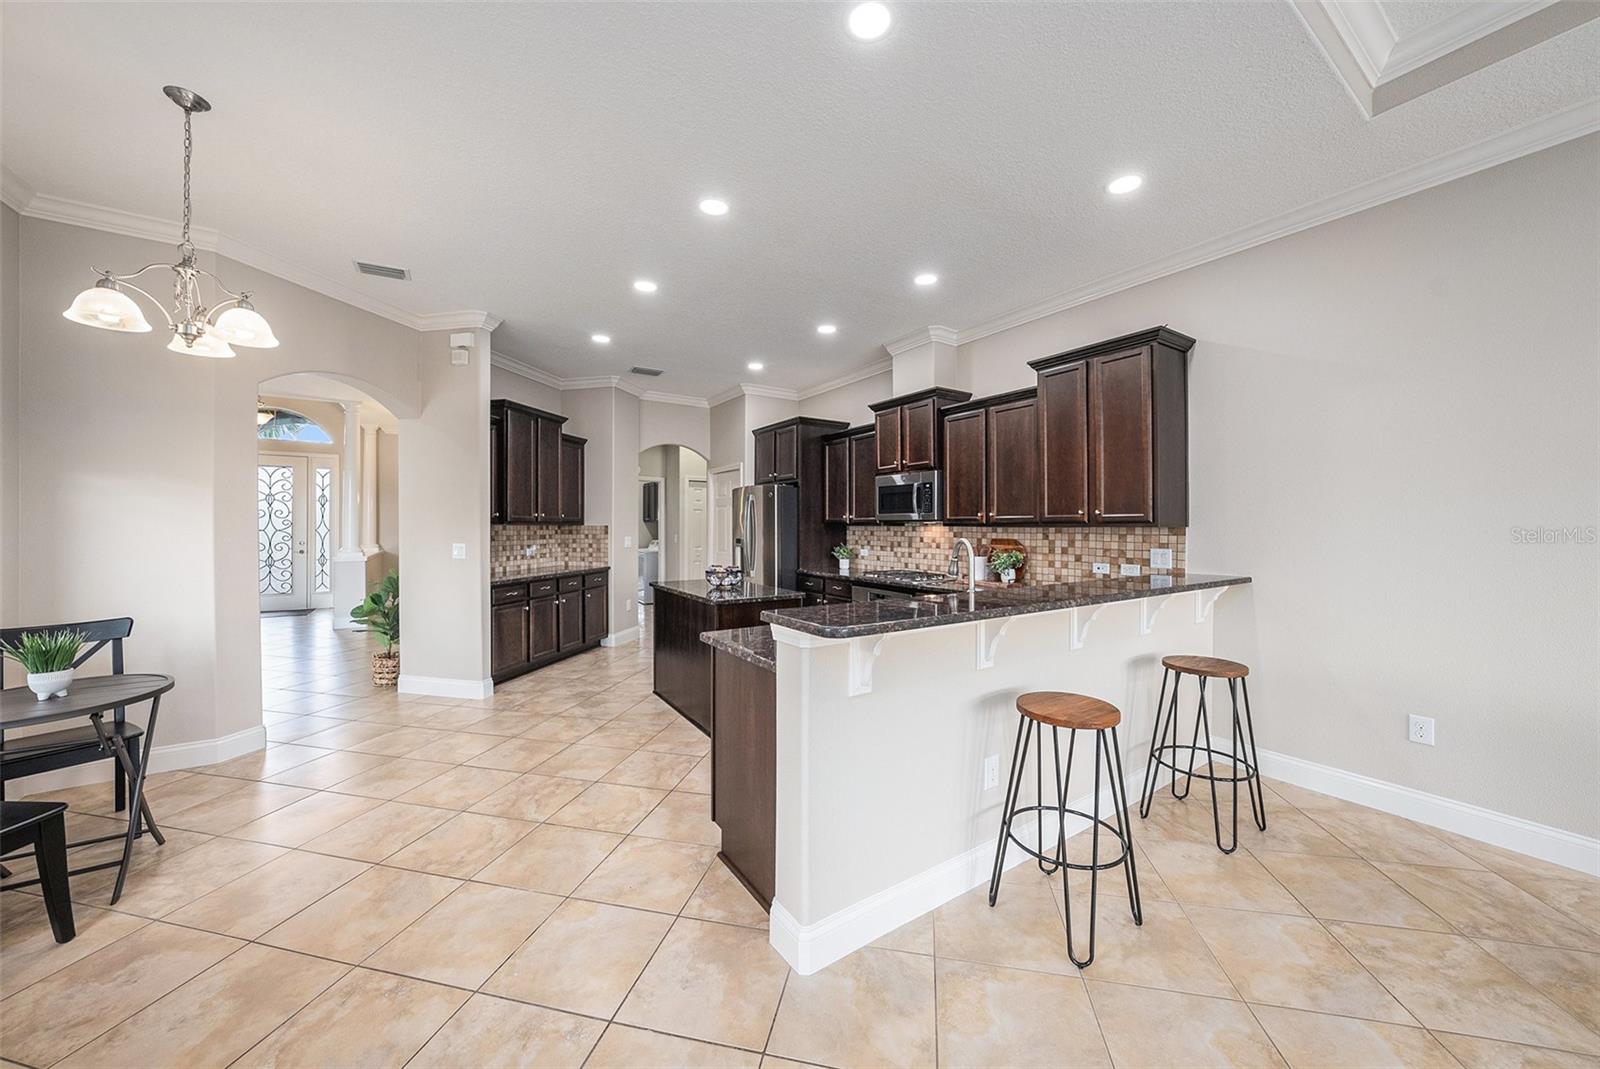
{"points": [[1210, 667], [1062, 710]]}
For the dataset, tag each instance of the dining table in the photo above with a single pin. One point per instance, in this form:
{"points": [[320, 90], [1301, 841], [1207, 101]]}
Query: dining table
{"points": [[91, 698]]}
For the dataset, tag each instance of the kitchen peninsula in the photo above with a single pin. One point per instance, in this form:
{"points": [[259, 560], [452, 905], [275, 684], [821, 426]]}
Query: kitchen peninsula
{"points": [[684, 610], [880, 809]]}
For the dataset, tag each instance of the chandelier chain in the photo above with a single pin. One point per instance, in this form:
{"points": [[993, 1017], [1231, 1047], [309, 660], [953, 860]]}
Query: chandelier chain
{"points": [[188, 152]]}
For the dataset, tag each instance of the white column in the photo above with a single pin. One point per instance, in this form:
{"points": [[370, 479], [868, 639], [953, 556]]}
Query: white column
{"points": [[369, 490], [349, 569]]}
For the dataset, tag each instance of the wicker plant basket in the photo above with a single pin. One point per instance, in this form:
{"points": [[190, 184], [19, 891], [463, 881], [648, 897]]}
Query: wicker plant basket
{"points": [[385, 669]]}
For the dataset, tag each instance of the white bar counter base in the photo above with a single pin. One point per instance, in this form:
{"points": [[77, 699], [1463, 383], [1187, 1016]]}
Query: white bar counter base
{"points": [[881, 810]]}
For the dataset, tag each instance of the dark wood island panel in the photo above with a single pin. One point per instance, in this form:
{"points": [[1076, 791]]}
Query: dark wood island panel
{"points": [[744, 771], [683, 611]]}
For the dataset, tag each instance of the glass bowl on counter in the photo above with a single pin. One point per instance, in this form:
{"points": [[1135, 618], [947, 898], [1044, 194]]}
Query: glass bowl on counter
{"points": [[723, 576]]}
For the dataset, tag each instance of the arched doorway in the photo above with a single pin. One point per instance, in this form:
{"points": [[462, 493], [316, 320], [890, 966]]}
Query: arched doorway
{"points": [[674, 516]]}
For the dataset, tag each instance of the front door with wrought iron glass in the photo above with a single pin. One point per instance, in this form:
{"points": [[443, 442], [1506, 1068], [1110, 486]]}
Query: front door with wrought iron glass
{"points": [[294, 530]]}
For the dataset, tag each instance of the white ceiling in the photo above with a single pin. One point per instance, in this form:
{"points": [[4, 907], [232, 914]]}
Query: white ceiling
{"points": [[531, 160]]}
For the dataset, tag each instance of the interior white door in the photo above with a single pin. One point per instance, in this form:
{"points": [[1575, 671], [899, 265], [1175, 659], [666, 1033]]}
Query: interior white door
{"points": [[694, 522], [722, 486], [295, 501]]}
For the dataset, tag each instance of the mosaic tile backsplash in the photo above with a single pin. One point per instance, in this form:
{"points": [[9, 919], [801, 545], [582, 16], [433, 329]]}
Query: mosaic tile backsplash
{"points": [[1055, 554], [564, 545]]}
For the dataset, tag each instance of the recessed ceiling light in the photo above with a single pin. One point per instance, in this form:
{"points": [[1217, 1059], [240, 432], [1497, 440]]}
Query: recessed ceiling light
{"points": [[600, 339], [827, 328], [755, 365], [927, 278], [868, 22], [714, 206], [1126, 184], [644, 285]]}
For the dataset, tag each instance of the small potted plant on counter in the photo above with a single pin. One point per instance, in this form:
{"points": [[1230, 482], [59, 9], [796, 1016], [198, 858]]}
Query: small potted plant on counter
{"points": [[844, 555], [47, 657], [1006, 562], [381, 614]]}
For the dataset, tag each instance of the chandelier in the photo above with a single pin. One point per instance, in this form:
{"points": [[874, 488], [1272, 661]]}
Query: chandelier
{"points": [[196, 329]]}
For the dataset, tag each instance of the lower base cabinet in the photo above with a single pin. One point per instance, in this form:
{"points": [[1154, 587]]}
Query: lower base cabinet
{"points": [[744, 771], [534, 622]]}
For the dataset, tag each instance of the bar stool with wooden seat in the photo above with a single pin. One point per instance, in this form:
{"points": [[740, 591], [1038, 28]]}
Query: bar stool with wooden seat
{"points": [[1243, 764], [1074, 712]]}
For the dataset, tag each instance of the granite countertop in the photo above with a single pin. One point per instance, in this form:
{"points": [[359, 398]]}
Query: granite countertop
{"points": [[548, 571], [857, 619], [700, 590], [753, 644]]}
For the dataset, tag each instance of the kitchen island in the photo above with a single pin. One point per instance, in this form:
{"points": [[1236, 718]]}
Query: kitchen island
{"points": [[888, 712], [683, 610]]}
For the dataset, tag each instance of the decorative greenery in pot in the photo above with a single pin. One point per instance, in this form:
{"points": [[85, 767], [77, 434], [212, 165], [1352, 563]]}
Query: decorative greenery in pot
{"points": [[844, 555], [1006, 562], [47, 657], [381, 613]]}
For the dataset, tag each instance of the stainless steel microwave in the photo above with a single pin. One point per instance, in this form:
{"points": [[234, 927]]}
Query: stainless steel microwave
{"points": [[910, 497]]}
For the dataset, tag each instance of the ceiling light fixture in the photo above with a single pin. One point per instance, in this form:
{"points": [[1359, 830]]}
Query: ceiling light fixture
{"points": [[1124, 185], [714, 206], [644, 285], [927, 278], [827, 328], [600, 339], [755, 365], [868, 22], [196, 329]]}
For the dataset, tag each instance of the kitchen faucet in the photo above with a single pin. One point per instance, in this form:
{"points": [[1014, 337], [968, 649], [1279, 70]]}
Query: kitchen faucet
{"points": [[955, 564]]}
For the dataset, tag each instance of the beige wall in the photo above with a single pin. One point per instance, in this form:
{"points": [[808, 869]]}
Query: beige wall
{"points": [[10, 423], [665, 424], [758, 412], [609, 419], [514, 387], [850, 402], [728, 439], [389, 499], [1374, 406]]}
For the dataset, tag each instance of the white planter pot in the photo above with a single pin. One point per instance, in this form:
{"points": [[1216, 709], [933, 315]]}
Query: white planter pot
{"points": [[844, 567], [1008, 576], [45, 684]]}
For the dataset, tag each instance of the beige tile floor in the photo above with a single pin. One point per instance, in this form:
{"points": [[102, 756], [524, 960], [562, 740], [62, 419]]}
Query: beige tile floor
{"points": [[532, 880]]}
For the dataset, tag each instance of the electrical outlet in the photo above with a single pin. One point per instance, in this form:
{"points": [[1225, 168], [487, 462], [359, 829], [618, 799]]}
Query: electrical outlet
{"points": [[863, 552], [1161, 558], [458, 551], [1419, 729], [628, 604], [991, 772], [627, 541], [1131, 569], [1102, 568]]}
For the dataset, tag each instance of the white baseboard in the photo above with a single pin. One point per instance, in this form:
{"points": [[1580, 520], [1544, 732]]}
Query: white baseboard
{"points": [[1475, 822], [445, 687], [162, 759], [622, 638]]}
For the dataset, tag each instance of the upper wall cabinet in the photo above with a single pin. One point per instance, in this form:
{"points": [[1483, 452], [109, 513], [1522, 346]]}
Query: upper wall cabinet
{"points": [[778, 453], [991, 461], [906, 429], [535, 471], [1113, 432], [850, 470]]}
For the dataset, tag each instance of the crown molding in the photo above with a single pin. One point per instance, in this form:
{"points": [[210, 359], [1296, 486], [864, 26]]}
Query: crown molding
{"points": [[1577, 121], [920, 337], [777, 393], [526, 370], [1456, 31], [842, 381], [674, 399], [35, 205], [732, 393], [602, 382]]}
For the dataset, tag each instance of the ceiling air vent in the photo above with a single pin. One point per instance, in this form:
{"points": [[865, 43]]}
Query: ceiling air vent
{"points": [[652, 372], [380, 271]]}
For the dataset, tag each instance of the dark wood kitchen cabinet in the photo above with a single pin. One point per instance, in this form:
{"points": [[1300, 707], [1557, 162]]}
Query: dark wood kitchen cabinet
{"points": [[1132, 423], [533, 622], [991, 460], [535, 471], [906, 429], [792, 452], [744, 771], [681, 665], [778, 453], [850, 491]]}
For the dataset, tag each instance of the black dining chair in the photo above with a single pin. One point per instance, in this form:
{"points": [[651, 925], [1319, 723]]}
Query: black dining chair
{"points": [[43, 826], [70, 747]]}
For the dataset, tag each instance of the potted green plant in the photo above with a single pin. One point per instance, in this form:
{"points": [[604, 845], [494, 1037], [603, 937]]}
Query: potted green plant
{"points": [[47, 657], [380, 612], [1006, 562], [844, 555]]}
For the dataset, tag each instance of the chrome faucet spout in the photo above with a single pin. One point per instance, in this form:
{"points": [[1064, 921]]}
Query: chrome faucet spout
{"points": [[955, 564]]}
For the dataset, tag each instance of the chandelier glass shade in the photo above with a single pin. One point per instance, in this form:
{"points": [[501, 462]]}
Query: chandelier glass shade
{"points": [[197, 329]]}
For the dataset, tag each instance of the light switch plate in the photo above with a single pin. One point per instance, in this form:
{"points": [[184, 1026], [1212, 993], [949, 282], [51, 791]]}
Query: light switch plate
{"points": [[1131, 569], [627, 541], [1102, 568], [1161, 558], [458, 551]]}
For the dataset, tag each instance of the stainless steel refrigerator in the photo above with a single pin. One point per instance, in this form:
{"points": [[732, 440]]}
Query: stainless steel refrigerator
{"points": [[766, 529]]}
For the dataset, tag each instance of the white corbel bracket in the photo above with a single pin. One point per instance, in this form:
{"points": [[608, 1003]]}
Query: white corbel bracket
{"points": [[1204, 600], [863, 655], [989, 633], [1149, 609], [1078, 625]]}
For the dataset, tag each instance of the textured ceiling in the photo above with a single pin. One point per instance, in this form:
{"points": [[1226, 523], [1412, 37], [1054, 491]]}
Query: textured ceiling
{"points": [[530, 160]]}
